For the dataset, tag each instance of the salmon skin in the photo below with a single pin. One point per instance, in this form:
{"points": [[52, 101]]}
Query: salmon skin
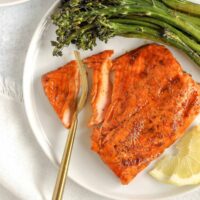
{"points": [[153, 101], [61, 86]]}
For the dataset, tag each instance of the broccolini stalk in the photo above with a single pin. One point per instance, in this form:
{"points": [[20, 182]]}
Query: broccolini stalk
{"points": [[174, 40], [174, 11], [184, 6], [150, 21], [165, 36], [154, 12]]}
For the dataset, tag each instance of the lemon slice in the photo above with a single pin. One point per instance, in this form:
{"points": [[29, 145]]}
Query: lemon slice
{"points": [[164, 168], [184, 167], [190, 142], [187, 172]]}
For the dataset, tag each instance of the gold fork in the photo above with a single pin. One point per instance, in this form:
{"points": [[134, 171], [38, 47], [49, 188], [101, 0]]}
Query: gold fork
{"points": [[62, 173]]}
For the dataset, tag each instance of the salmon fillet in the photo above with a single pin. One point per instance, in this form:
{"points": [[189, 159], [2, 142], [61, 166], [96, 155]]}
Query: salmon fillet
{"points": [[153, 102], [61, 86], [101, 87]]}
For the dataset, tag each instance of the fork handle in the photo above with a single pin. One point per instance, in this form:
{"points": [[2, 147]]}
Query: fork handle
{"points": [[62, 173]]}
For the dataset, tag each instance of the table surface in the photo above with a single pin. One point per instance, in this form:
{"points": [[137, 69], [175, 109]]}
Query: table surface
{"points": [[17, 25]]}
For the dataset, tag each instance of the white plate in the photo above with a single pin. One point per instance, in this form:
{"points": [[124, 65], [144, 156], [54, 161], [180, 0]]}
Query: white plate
{"points": [[86, 168], [11, 2]]}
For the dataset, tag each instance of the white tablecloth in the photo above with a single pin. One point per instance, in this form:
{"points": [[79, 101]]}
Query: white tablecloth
{"points": [[25, 172]]}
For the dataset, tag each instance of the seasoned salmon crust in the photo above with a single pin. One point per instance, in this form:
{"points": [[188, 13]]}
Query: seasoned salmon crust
{"points": [[61, 86], [153, 102]]}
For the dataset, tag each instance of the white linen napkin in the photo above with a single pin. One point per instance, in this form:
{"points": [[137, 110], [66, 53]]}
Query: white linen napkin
{"points": [[25, 171], [21, 159]]}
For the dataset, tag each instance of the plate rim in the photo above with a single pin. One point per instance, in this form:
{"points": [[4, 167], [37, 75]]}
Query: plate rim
{"points": [[41, 138], [16, 2]]}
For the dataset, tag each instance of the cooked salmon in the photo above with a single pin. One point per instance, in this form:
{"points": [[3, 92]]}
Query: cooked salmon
{"points": [[101, 86], [61, 86], [153, 102]]}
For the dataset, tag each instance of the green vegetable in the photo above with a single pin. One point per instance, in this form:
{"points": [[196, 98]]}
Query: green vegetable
{"points": [[167, 36], [164, 26], [81, 22], [184, 6]]}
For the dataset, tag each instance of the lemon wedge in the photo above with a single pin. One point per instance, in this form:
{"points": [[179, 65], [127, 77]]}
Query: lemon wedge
{"points": [[164, 168], [184, 167]]}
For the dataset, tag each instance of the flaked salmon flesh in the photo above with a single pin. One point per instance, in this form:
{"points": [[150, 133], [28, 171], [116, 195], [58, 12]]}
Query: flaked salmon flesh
{"points": [[61, 86], [101, 86]]}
